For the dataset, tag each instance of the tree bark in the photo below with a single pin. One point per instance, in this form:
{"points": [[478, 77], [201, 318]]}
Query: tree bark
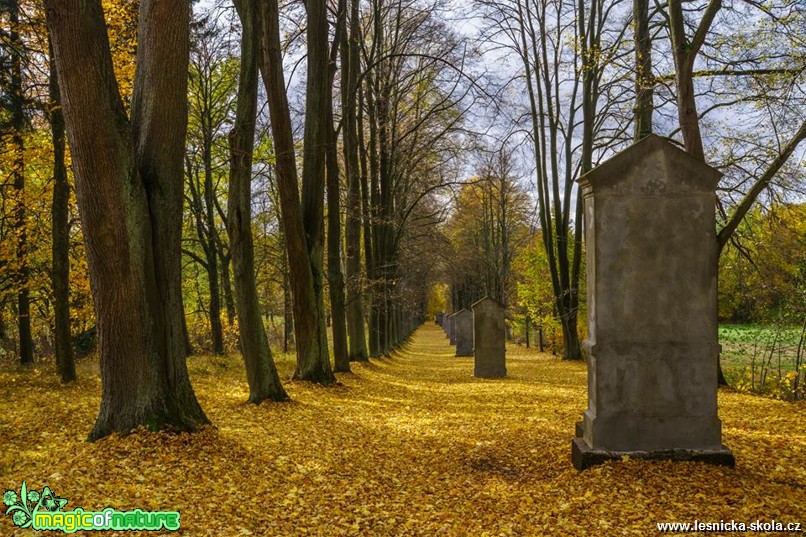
{"points": [[351, 65], [334, 274], [129, 190], [644, 81], [312, 356], [685, 52], [261, 372], [211, 250], [314, 147], [60, 218], [226, 287], [22, 272]]}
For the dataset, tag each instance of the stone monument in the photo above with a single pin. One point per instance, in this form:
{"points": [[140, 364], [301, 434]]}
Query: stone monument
{"points": [[439, 318], [489, 339], [652, 312], [452, 328], [463, 320]]}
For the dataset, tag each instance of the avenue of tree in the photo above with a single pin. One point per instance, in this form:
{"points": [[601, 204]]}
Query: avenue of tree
{"points": [[185, 177]]}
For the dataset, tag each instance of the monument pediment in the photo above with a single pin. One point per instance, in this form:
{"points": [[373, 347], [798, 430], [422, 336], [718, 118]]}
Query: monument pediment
{"points": [[653, 166]]}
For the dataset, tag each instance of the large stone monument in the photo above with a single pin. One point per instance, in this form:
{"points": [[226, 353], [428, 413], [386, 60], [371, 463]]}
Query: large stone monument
{"points": [[489, 339], [463, 320], [452, 328], [652, 313]]}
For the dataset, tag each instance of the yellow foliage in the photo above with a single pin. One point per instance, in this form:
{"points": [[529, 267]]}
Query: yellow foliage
{"points": [[408, 445]]}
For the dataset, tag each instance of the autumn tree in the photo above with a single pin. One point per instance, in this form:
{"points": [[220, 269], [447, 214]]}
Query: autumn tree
{"points": [[351, 67], [261, 372], [129, 186], [302, 219], [60, 213], [417, 92], [573, 84], [212, 88], [489, 225], [335, 276], [13, 135]]}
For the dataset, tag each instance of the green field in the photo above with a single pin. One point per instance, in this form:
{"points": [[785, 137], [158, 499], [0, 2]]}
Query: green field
{"points": [[762, 358]]}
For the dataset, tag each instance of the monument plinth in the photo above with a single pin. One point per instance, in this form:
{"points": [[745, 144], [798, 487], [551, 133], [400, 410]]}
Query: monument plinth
{"points": [[489, 339], [652, 308], [463, 327]]}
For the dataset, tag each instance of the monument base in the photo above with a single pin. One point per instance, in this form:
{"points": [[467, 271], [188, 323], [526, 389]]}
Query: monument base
{"points": [[463, 354], [490, 373], [582, 456]]}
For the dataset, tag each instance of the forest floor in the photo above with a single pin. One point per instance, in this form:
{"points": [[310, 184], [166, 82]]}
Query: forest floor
{"points": [[408, 445]]}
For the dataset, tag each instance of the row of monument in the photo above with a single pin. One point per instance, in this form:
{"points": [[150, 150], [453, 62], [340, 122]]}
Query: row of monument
{"points": [[479, 332], [652, 346]]}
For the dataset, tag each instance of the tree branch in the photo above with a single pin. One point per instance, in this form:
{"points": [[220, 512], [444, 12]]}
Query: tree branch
{"points": [[747, 202]]}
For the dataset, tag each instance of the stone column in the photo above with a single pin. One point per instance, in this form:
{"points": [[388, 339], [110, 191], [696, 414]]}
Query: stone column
{"points": [[463, 320], [489, 339], [652, 314]]}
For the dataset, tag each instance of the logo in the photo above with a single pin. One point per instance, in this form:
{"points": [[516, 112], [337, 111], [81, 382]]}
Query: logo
{"points": [[43, 511]]}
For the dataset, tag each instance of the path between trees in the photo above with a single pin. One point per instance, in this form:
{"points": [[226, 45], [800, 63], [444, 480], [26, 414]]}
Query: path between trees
{"points": [[407, 445]]}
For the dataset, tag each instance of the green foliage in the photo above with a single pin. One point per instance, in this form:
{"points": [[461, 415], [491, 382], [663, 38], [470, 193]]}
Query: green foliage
{"points": [[763, 279]]}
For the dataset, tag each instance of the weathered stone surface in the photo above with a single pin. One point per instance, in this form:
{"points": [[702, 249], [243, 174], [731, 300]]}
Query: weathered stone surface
{"points": [[489, 339], [452, 328], [463, 321], [652, 319]]}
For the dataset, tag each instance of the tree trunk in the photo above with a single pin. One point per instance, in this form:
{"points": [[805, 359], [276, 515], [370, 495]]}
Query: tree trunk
{"points": [[16, 99], [351, 64], [334, 274], [312, 357], [129, 190], [316, 367], [261, 372], [335, 278], [189, 351], [60, 218], [368, 168], [685, 52], [644, 81], [226, 287], [211, 251]]}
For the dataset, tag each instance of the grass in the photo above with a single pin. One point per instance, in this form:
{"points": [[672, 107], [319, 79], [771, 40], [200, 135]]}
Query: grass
{"points": [[406, 445], [763, 359]]}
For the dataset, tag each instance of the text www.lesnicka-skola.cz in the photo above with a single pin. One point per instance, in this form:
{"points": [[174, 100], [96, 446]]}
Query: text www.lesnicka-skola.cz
{"points": [[731, 525]]}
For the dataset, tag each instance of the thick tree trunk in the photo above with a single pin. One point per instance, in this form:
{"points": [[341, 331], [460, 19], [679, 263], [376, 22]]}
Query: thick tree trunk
{"points": [[317, 90], [130, 201], [16, 98], [312, 356], [261, 372], [351, 65], [60, 220]]}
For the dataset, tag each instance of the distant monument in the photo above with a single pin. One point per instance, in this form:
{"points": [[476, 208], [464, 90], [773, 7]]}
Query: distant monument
{"points": [[440, 315], [452, 328], [489, 339], [652, 317], [463, 320]]}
